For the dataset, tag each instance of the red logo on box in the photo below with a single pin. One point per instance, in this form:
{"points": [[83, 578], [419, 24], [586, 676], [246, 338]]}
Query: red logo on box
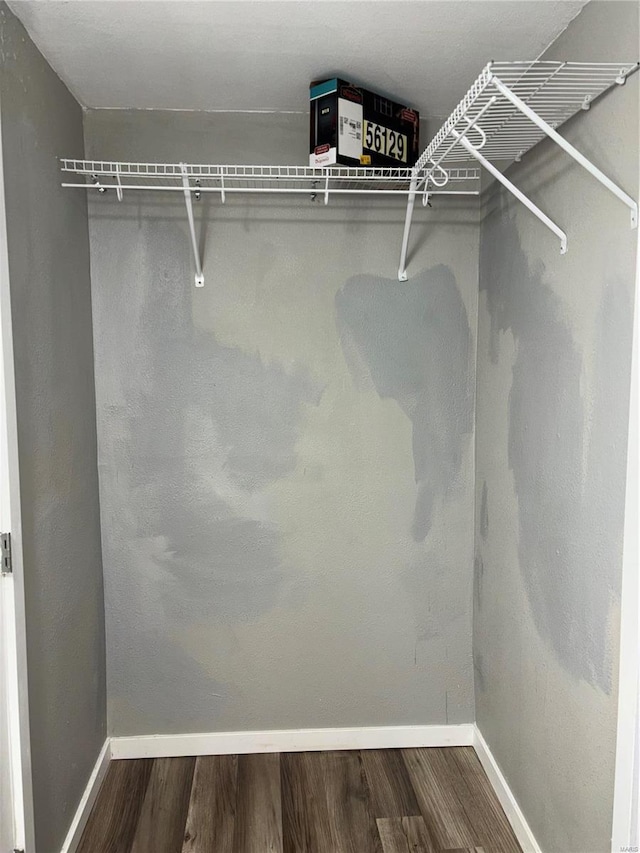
{"points": [[409, 115], [321, 149], [351, 94]]}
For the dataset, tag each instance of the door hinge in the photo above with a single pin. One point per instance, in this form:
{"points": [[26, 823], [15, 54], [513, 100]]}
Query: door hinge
{"points": [[5, 553]]}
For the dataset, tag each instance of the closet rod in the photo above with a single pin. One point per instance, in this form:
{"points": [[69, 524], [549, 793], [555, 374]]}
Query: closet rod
{"points": [[250, 190]]}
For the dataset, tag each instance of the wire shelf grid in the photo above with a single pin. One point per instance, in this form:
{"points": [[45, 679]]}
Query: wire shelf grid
{"points": [[247, 179], [554, 90]]}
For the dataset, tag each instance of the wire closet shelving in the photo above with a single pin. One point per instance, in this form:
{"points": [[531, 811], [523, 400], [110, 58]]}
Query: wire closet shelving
{"points": [[509, 108]]}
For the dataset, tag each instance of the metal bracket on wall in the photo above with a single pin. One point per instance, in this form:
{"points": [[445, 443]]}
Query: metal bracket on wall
{"points": [[192, 227], [497, 174], [511, 107]]}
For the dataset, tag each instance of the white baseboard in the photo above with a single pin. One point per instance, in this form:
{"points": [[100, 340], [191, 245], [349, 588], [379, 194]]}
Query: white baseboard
{"points": [[291, 740], [301, 740], [508, 802], [88, 799]]}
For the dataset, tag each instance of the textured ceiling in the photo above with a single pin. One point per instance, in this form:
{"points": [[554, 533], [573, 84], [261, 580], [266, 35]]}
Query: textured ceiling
{"points": [[261, 55]]}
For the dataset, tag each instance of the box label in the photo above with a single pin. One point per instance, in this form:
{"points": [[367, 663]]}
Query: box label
{"points": [[324, 156], [384, 140], [349, 128]]}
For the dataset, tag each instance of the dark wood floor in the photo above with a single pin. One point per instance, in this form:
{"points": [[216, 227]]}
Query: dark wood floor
{"points": [[371, 801]]}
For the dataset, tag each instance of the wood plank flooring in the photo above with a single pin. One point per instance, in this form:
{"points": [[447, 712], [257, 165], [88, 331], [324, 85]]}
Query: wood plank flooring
{"points": [[369, 801]]}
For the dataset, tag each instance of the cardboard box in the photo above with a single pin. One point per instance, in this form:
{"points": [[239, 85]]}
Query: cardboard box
{"points": [[351, 126]]}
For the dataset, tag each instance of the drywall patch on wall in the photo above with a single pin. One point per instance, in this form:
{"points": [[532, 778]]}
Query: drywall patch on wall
{"points": [[414, 341], [196, 430], [557, 450]]}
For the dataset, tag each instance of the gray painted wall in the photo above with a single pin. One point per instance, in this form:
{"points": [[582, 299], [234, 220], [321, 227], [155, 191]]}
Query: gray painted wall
{"points": [[51, 307], [286, 455], [553, 384]]}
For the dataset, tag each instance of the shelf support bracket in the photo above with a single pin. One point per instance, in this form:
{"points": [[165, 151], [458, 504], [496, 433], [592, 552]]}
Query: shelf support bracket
{"points": [[402, 271], [497, 174], [118, 184], [526, 110], [192, 228]]}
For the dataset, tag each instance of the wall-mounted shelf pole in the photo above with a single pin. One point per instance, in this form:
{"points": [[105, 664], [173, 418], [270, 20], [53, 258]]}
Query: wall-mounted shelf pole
{"points": [[568, 147], [497, 174], [402, 271], [192, 228]]}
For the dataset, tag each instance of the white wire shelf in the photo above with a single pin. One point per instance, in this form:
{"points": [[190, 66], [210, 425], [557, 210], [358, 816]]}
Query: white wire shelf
{"points": [[556, 91], [222, 179], [509, 108], [194, 179]]}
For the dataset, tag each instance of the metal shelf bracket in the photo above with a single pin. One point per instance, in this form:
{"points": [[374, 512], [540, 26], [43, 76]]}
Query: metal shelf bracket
{"points": [[497, 174], [402, 271], [199, 278]]}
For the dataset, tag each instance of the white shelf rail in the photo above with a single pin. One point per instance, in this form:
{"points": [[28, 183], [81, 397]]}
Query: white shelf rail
{"points": [[509, 108], [194, 179]]}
